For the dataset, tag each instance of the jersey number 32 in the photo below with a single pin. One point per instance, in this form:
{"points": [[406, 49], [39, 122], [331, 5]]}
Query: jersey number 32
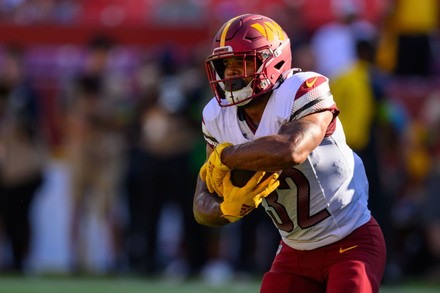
{"points": [[278, 212]]}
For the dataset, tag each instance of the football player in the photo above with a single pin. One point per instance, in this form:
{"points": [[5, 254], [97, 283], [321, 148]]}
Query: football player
{"points": [[267, 116]]}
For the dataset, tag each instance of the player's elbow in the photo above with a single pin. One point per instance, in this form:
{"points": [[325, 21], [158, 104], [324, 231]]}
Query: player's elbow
{"points": [[207, 220], [299, 150], [206, 214], [286, 157], [292, 156], [299, 156], [200, 220]]}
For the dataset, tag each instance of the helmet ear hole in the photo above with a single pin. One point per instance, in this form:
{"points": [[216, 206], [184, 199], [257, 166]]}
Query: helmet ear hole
{"points": [[279, 65]]}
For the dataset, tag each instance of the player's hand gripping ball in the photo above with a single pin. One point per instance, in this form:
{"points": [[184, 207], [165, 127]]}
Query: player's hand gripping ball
{"points": [[240, 177], [239, 201], [213, 171]]}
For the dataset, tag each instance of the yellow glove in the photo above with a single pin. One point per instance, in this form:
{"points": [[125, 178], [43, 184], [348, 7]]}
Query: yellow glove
{"points": [[239, 201], [213, 171]]}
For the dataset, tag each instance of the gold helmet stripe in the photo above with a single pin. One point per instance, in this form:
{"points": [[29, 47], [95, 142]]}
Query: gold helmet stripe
{"points": [[225, 31]]}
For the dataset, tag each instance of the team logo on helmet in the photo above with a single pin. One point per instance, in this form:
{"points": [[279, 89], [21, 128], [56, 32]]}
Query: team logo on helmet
{"points": [[269, 30]]}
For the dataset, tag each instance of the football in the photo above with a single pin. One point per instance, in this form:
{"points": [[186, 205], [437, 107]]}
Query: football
{"points": [[240, 177]]}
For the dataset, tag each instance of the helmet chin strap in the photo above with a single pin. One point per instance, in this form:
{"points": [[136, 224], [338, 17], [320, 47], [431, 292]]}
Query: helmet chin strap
{"points": [[237, 97]]}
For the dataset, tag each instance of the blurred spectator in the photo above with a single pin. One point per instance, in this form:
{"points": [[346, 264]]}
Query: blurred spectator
{"points": [[161, 172], [21, 155], [334, 44], [176, 12], [431, 221], [407, 37], [353, 92], [94, 149], [25, 12], [409, 251], [431, 205], [409, 150]]}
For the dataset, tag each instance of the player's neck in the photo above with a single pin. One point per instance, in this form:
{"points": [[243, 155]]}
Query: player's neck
{"points": [[254, 110]]}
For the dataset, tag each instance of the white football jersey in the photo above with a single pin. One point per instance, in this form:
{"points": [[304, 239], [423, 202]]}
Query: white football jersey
{"points": [[321, 200]]}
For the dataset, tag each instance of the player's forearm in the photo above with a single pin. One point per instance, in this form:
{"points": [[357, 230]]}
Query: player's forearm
{"points": [[290, 147], [206, 207], [270, 153], [264, 154]]}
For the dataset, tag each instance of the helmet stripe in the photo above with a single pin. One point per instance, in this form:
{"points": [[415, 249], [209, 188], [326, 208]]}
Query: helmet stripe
{"points": [[225, 31]]}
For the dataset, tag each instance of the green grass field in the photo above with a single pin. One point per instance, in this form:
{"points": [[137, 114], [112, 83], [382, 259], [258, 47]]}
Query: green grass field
{"points": [[13, 284]]}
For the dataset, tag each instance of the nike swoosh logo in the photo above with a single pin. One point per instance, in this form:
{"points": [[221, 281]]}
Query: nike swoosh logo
{"points": [[311, 83], [342, 250]]}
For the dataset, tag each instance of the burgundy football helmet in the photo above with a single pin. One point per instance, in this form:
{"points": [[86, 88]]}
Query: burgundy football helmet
{"points": [[254, 37]]}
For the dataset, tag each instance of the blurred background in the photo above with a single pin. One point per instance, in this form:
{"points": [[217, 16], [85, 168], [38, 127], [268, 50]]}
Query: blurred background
{"points": [[100, 131]]}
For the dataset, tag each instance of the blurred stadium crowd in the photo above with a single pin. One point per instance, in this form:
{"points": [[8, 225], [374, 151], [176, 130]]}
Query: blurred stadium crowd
{"points": [[100, 139]]}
